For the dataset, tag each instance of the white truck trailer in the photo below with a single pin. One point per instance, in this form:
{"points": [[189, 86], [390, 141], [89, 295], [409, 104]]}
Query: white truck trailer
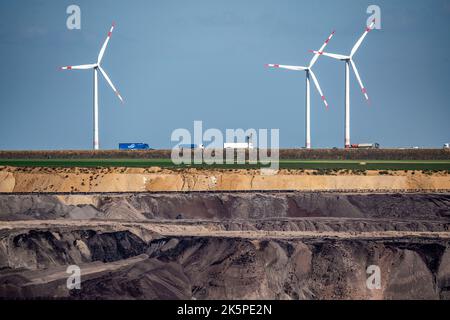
{"points": [[238, 145]]}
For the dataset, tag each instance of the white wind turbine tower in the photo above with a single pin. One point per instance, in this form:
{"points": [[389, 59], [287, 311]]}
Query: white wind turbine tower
{"points": [[349, 60], [96, 67], [308, 72]]}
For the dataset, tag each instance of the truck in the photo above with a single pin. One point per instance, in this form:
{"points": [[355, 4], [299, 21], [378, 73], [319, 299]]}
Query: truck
{"points": [[191, 146], [365, 146], [134, 146]]}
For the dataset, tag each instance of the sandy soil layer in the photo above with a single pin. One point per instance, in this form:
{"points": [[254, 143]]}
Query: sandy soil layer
{"points": [[157, 179], [117, 263]]}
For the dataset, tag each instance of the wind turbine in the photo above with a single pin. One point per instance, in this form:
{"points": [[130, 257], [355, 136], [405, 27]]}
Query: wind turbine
{"points": [[97, 67], [308, 72], [349, 60]]}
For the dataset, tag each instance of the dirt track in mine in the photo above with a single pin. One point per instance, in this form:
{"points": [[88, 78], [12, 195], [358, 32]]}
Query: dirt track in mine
{"points": [[208, 229]]}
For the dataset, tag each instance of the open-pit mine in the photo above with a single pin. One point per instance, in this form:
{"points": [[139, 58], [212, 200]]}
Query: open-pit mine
{"points": [[157, 233]]}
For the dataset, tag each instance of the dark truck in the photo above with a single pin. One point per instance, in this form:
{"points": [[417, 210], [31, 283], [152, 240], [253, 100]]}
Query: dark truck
{"points": [[134, 146]]}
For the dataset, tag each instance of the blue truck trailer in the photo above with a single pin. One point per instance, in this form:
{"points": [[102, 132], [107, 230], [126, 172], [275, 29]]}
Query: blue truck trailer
{"points": [[134, 146]]}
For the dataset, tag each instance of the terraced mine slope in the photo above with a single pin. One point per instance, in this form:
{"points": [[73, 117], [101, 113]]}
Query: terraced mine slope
{"points": [[178, 233], [265, 245]]}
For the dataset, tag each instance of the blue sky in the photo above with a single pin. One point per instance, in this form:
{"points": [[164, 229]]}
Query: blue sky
{"points": [[177, 61]]}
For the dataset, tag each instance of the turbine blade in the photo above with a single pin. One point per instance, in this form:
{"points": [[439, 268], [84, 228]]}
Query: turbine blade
{"points": [[295, 68], [360, 40], [364, 91], [316, 56], [313, 76], [110, 83], [331, 55], [80, 67], [105, 44]]}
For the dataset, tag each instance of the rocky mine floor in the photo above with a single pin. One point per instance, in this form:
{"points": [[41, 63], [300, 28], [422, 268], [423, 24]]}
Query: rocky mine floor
{"points": [[293, 245]]}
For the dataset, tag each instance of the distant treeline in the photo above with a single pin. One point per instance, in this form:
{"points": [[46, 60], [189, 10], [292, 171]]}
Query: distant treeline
{"points": [[285, 154]]}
